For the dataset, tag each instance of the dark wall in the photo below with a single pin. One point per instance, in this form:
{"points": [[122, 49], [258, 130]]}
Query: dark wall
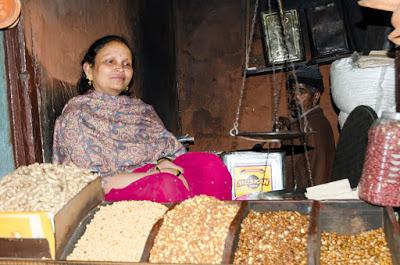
{"points": [[209, 63], [210, 58], [157, 60]]}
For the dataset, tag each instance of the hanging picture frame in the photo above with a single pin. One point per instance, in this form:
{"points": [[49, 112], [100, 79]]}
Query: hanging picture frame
{"points": [[278, 48], [327, 30]]}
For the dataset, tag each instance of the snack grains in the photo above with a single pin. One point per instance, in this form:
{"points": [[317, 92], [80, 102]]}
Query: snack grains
{"points": [[194, 232], [118, 232]]}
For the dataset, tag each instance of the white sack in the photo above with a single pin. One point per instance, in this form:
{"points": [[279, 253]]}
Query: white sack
{"points": [[352, 86]]}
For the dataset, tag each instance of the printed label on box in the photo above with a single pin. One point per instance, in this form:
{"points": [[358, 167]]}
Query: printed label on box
{"points": [[28, 225], [249, 179]]}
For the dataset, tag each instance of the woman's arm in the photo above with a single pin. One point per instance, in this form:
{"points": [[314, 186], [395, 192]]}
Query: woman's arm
{"points": [[122, 180]]}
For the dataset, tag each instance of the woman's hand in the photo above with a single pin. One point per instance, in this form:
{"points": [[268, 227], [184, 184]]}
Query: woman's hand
{"points": [[169, 167], [184, 181]]}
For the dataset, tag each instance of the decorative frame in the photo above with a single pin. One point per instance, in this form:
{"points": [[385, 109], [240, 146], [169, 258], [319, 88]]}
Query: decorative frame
{"points": [[278, 50], [327, 30]]}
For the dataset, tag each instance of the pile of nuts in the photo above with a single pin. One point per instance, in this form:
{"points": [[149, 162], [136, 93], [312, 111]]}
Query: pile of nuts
{"points": [[278, 237], [194, 231], [118, 232], [42, 187], [380, 181], [367, 248]]}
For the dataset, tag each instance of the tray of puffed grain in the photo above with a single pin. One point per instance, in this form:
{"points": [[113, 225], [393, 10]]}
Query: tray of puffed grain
{"points": [[115, 232], [40, 206], [355, 232], [274, 232]]}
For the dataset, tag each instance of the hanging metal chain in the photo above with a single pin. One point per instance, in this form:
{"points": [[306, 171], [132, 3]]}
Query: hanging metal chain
{"points": [[235, 130], [300, 109], [277, 87], [310, 178]]}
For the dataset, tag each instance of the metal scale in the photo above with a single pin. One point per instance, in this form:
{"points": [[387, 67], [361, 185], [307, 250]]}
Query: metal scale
{"points": [[277, 134]]}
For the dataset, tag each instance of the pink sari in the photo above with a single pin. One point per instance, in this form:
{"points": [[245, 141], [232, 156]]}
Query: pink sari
{"points": [[205, 173]]}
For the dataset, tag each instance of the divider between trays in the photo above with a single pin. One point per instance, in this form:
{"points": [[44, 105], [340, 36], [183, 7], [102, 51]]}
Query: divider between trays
{"points": [[314, 238], [392, 234], [234, 229], [78, 232], [153, 234]]}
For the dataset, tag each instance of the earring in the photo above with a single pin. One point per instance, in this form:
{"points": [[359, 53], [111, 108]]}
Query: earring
{"points": [[127, 89], [90, 82]]}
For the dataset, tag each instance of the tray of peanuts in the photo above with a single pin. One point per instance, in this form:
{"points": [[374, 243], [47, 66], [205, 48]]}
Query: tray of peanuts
{"points": [[40, 206]]}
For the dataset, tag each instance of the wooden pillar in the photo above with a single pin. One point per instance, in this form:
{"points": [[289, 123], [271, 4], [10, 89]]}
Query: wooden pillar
{"points": [[23, 99], [397, 79]]}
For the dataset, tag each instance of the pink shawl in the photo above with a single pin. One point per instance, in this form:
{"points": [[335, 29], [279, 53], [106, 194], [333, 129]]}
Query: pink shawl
{"points": [[111, 134]]}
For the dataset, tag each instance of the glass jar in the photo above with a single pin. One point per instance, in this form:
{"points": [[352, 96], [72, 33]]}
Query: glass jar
{"points": [[380, 180]]}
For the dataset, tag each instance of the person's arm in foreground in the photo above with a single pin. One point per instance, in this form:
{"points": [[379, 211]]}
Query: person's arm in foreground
{"points": [[122, 180]]}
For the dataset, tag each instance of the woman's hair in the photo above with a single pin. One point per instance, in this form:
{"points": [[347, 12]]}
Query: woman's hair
{"points": [[90, 56]]}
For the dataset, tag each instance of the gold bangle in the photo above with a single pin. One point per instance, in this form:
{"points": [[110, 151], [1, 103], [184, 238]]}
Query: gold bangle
{"points": [[162, 158]]}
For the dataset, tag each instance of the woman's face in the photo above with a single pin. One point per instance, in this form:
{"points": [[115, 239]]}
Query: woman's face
{"points": [[112, 70]]}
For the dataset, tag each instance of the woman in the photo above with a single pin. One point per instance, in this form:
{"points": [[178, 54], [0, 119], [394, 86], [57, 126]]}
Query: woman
{"points": [[121, 138]]}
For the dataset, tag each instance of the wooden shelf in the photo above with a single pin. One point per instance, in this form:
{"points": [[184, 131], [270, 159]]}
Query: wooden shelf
{"points": [[254, 71]]}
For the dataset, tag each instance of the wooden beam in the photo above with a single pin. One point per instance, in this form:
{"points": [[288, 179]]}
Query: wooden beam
{"points": [[23, 98]]}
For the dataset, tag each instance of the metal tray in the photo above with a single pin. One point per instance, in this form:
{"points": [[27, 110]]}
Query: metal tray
{"points": [[355, 216], [271, 136], [304, 207], [81, 228]]}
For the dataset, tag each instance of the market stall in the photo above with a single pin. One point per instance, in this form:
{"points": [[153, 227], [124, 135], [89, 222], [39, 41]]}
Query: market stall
{"points": [[56, 214]]}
